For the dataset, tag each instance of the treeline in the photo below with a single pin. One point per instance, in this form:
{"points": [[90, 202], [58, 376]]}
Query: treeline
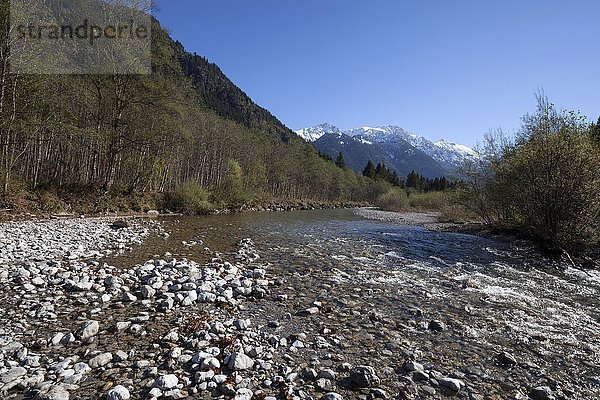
{"points": [[413, 180], [183, 132], [545, 182]]}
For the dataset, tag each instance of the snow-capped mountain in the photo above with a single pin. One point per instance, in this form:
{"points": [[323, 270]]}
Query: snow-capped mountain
{"points": [[447, 154], [315, 132]]}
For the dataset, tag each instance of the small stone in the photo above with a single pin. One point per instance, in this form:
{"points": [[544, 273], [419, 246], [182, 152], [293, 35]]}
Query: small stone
{"points": [[89, 330], [166, 382], [120, 355], [118, 393], [13, 374], [333, 396], [420, 376], [210, 363], [53, 393], [413, 366], [506, 359], [327, 374], [243, 394], [364, 376], [308, 311], [323, 384], [541, 393], [452, 384], [310, 374], [147, 291], [436, 326], [239, 361], [379, 393], [55, 341], [100, 360], [129, 297]]}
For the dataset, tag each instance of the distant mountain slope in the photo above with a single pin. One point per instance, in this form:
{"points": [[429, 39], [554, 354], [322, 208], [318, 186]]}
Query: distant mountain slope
{"points": [[398, 155], [395, 146], [221, 95]]}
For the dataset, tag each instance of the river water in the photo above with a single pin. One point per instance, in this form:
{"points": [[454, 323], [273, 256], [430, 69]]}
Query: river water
{"points": [[383, 283]]}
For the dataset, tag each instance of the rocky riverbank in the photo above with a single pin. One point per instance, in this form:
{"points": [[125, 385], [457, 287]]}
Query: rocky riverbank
{"points": [[76, 327], [330, 319]]}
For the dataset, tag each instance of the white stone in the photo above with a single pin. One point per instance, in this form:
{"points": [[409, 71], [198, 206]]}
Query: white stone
{"points": [[118, 393], [166, 382]]}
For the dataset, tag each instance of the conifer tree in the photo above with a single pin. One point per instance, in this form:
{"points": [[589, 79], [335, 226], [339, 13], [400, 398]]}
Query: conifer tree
{"points": [[339, 161], [369, 170]]}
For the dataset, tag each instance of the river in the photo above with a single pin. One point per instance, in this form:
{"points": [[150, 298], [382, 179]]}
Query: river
{"points": [[384, 283], [496, 318]]}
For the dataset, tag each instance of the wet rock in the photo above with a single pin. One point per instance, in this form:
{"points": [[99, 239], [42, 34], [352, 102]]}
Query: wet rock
{"points": [[120, 224], [364, 376]]}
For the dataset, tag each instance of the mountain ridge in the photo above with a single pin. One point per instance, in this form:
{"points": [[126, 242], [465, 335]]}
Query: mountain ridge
{"points": [[389, 140]]}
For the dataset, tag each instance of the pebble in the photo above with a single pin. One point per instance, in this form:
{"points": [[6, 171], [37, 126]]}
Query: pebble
{"points": [[12, 374]]}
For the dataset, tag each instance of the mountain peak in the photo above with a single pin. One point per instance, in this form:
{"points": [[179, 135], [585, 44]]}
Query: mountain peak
{"points": [[447, 153], [314, 133]]}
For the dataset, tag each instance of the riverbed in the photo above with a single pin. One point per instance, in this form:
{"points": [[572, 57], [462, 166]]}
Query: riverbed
{"points": [[435, 314]]}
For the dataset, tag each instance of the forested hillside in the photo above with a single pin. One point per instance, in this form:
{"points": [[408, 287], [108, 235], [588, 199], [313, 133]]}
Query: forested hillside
{"points": [[186, 127]]}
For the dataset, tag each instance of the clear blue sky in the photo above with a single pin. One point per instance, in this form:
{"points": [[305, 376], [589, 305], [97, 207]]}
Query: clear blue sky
{"points": [[446, 68]]}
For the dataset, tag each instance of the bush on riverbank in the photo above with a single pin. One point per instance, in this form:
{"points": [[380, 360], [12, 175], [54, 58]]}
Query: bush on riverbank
{"points": [[449, 203], [545, 183], [191, 198], [393, 200]]}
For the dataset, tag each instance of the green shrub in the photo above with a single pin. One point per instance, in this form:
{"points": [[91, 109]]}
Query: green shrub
{"points": [[429, 201], [545, 184], [191, 198], [232, 191], [393, 200]]}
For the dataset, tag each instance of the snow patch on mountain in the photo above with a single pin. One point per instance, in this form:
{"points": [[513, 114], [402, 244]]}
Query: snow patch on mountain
{"points": [[316, 132], [449, 154]]}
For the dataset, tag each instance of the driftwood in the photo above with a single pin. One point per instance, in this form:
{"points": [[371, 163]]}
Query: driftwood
{"points": [[575, 265]]}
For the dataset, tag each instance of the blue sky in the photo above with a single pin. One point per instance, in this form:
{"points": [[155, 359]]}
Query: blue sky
{"points": [[451, 69]]}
